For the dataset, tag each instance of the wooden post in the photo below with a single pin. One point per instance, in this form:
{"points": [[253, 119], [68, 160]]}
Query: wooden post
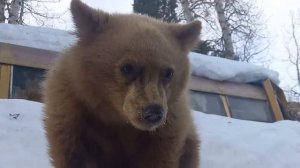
{"points": [[282, 101], [5, 75], [226, 105], [271, 94]]}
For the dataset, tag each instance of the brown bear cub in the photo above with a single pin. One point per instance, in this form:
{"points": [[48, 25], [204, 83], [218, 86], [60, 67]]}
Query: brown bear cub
{"points": [[117, 98]]}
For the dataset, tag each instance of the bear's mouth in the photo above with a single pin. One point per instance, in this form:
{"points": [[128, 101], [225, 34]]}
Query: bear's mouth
{"points": [[147, 127], [148, 123]]}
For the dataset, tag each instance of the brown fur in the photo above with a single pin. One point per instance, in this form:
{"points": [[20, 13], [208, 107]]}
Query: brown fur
{"points": [[93, 112]]}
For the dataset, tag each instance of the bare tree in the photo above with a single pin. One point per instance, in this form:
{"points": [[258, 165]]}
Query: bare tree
{"points": [[18, 10], [14, 10], [293, 49], [187, 10], [236, 25], [2, 10], [225, 27]]}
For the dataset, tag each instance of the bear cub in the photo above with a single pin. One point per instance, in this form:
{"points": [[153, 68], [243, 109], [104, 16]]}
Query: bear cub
{"points": [[117, 97]]}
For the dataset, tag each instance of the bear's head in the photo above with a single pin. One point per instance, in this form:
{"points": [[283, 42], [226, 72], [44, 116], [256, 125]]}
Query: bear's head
{"points": [[132, 67]]}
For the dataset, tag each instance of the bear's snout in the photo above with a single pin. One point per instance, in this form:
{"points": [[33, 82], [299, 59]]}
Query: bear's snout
{"points": [[153, 113]]}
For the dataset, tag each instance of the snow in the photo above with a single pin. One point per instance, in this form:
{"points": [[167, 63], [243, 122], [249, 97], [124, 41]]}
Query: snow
{"points": [[22, 140], [232, 143], [36, 37], [225, 142], [228, 70]]}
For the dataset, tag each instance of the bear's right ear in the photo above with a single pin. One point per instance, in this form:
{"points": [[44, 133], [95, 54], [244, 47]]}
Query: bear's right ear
{"points": [[187, 34], [87, 20]]}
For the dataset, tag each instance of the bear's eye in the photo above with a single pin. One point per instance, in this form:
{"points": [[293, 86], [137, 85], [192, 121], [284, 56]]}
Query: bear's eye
{"points": [[168, 75], [127, 69]]}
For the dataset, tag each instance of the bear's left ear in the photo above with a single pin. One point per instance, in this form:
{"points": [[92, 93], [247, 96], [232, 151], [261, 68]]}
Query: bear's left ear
{"points": [[88, 21], [188, 34]]}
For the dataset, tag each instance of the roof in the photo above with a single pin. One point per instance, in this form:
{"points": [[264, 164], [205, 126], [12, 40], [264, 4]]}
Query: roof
{"points": [[222, 69], [36, 37]]}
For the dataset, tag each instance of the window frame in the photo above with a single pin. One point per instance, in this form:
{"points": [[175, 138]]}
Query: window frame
{"points": [[205, 94], [11, 55], [5, 80], [262, 90]]}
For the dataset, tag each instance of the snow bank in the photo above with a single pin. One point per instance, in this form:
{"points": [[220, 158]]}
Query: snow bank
{"points": [[36, 37], [228, 70], [22, 139], [226, 143], [232, 143]]}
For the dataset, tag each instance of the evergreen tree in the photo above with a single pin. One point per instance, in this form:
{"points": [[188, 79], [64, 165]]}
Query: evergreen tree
{"points": [[160, 9], [150, 8], [203, 47], [168, 10]]}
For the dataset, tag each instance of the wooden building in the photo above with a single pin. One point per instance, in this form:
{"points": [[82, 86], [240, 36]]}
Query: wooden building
{"points": [[27, 54]]}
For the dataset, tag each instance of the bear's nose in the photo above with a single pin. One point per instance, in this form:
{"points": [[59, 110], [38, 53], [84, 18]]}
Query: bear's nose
{"points": [[153, 113]]}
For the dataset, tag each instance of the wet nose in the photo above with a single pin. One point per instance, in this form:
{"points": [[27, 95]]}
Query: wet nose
{"points": [[153, 113]]}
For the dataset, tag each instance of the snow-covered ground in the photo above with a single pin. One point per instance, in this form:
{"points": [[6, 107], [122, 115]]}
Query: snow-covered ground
{"points": [[22, 140], [226, 143], [232, 143]]}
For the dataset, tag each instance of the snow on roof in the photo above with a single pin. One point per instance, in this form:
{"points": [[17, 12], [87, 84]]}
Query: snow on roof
{"points": [[36, 37], [225, 142], [211, 67], [228, 70]]}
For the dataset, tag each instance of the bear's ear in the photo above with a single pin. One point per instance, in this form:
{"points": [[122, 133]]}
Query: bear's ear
{"points": [[187, 34], [87, 20]]}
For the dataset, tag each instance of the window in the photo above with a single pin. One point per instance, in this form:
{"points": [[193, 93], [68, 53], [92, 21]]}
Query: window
{"points": [[26, 83], [237, 107], [250, 109], [207, 103]]}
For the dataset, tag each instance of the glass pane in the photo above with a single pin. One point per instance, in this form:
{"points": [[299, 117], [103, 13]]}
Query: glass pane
{"points": [[26, 83], [250, 109], [207, 103]]}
